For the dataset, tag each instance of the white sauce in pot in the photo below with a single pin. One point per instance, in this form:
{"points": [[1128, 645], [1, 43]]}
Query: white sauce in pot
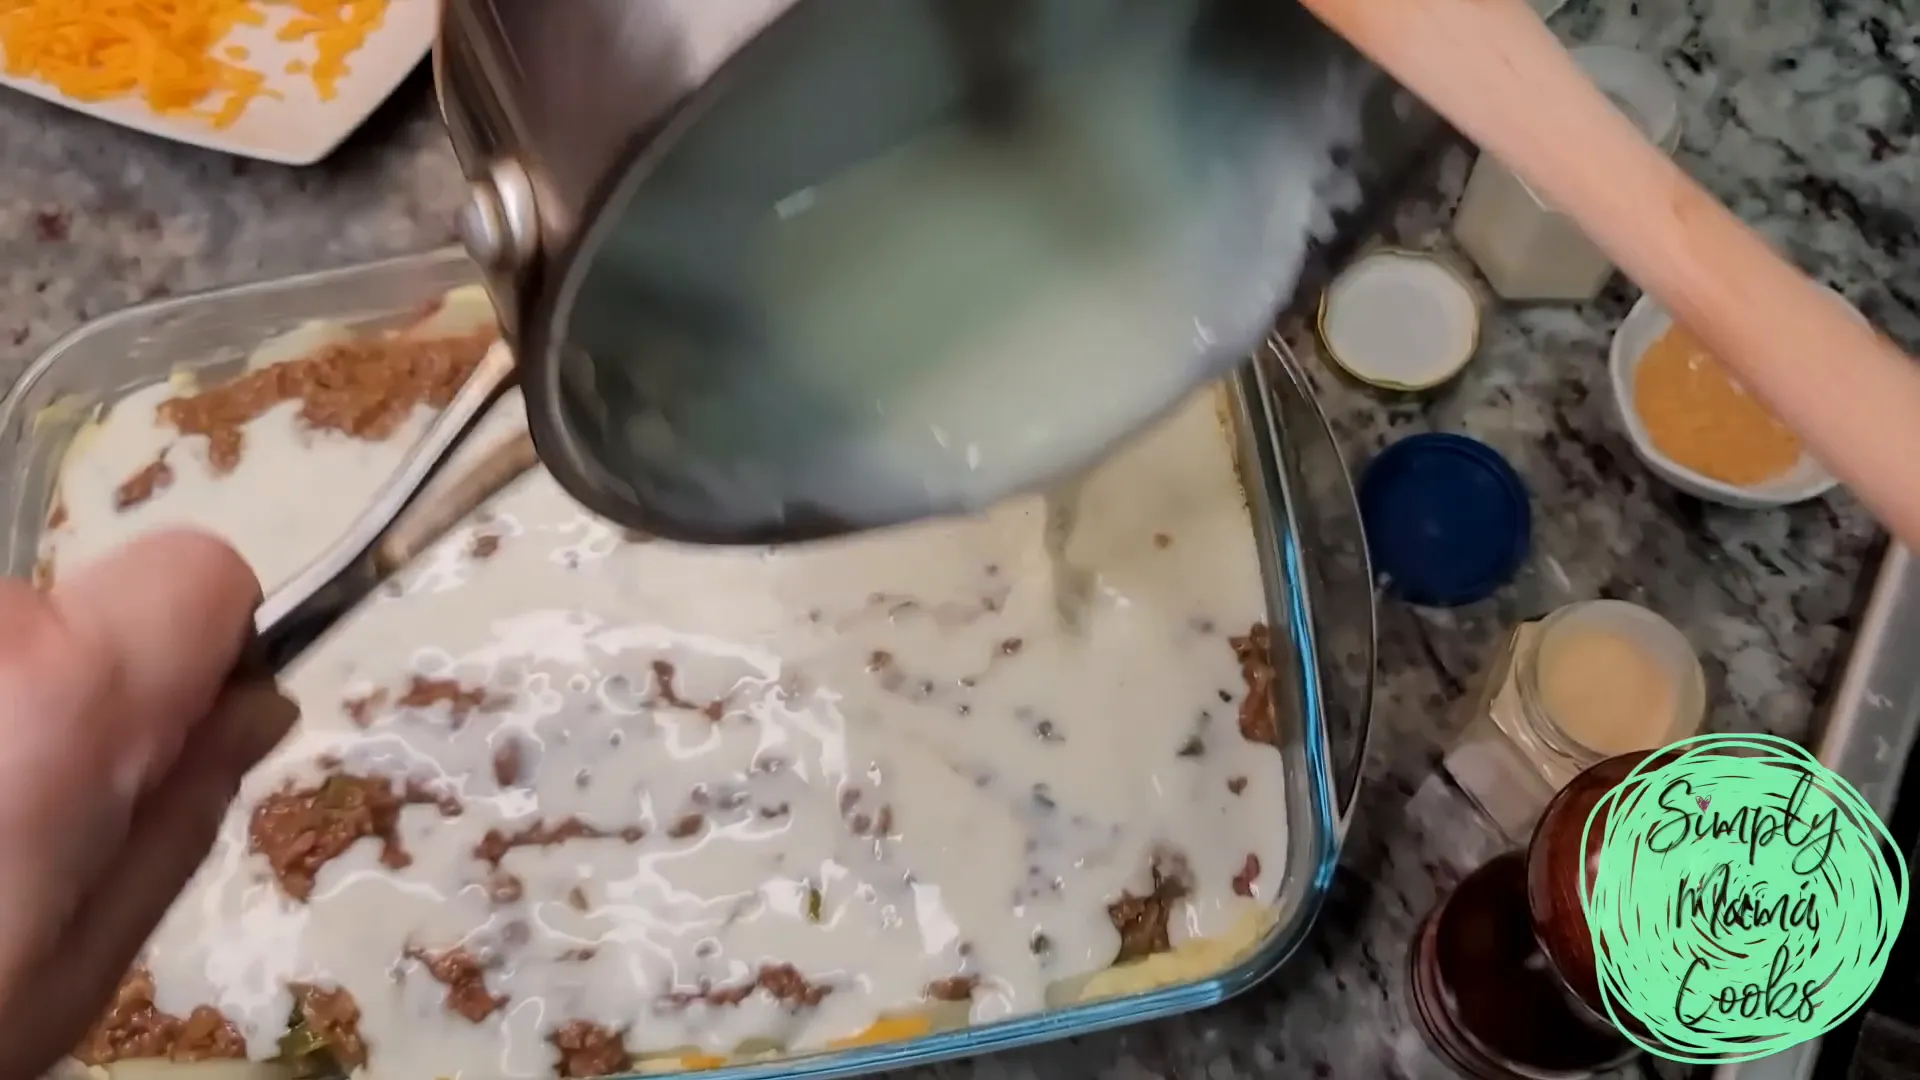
{"points": [[975, 310], [883, 761]]}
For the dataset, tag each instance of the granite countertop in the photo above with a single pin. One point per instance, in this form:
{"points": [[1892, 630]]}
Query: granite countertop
{"points": [[1803, 116]]}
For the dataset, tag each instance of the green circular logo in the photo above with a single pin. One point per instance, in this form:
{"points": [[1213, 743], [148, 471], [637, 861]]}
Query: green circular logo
{"points": [[1744, 899]]}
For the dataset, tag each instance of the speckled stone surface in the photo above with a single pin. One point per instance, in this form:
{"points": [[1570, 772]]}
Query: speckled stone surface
{"points": [[1805, 116]]}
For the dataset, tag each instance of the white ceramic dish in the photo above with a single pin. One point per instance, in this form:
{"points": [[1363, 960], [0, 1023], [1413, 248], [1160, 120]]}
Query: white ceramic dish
{"points": [[1637, 332], [296, 128]]}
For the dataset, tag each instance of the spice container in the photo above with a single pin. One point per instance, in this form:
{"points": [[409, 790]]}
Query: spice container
{"points": [[1530, 251], [1647, 328], [1447, 519], [1595, 678], [1501, 975]]}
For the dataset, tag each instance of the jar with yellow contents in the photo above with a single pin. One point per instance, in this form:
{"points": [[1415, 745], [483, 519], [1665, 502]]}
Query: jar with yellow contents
{"points": [[1589, 681]]}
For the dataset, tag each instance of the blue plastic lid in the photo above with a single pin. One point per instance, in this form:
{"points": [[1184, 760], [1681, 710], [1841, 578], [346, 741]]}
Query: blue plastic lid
{"points": [[1447, 519]]}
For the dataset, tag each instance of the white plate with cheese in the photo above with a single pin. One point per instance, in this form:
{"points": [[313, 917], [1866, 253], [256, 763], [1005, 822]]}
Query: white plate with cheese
{"points": [[289, 79]]}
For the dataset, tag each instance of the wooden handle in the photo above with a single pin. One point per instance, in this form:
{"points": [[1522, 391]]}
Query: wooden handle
{"points": [[440, 509], [1494, 70]]}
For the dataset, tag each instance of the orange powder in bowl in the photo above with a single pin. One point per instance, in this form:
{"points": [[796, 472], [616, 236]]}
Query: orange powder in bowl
{"points": [[1702, 420]]}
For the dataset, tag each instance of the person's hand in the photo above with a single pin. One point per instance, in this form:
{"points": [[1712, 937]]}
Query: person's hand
{"points": [[121, 746]]}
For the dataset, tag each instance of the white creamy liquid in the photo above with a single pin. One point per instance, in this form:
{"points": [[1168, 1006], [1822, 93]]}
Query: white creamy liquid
{"points": [[1030, 778], [1072, 586], [982, 310], [1027, 258]]}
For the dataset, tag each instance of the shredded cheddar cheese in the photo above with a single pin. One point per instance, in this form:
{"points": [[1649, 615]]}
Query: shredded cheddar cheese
{"points": [[886, 1029], [337, 29], [174, 54]]}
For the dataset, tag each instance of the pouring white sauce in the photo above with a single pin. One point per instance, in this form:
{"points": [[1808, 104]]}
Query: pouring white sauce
{"points": [[880, 766], [975, 312]]}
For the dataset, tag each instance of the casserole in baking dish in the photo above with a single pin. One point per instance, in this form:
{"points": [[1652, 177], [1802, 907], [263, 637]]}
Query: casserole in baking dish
{"points": [[568, 800]]}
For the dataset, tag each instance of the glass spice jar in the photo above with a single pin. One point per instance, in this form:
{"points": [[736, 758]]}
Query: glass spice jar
{"points": [[1527, 250], [1559, 697]]}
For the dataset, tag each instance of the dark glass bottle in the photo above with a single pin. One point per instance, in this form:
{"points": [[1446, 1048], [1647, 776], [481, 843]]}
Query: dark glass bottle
{"points": [[1503, 982]]}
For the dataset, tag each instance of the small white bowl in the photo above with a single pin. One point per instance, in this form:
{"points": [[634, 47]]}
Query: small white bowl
{"points": [[1637, 332]]}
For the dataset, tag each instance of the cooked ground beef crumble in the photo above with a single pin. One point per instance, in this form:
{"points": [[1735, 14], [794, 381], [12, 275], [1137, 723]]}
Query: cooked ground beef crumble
{"points": [[1257, 720], [588, 1050], [1142, 920], [134, 1027], [465, 979], [143, 485], [494, 846], [782, 982], [332, 1018], [461, 700], [300, 830], [1249, 874], [956, 988], [366, 388]]}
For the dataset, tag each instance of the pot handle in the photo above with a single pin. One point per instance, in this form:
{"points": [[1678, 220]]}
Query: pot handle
{"points": [[396, 526]]}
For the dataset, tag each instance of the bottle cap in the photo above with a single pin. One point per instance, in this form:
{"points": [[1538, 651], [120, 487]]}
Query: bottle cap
{"points": [[1447, 519], [1399, 320]]}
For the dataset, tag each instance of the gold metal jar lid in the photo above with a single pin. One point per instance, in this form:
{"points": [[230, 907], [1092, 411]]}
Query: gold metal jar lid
{"points": [[1400, 320]]}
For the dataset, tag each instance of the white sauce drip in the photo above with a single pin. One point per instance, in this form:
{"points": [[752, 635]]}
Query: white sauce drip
{"points": [[1073, 585], [1029, 786]]}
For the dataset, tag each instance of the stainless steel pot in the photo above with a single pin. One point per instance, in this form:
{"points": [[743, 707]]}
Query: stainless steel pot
{"points": [[560, 113], [549, 106]]}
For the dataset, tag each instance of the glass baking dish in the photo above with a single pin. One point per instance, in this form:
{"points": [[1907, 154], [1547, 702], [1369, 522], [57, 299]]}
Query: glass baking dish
{"points": [[1312, 556]]}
